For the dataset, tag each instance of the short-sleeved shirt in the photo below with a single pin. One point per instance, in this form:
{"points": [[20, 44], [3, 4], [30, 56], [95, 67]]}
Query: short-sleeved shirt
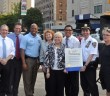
{"points": [[89, 46], [31, 44]]}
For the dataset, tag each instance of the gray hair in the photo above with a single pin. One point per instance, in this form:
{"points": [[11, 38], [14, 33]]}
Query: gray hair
{"points": [[4, 26]]}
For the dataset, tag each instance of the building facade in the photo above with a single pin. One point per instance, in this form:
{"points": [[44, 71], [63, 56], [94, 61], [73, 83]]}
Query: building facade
{"points": [[86, 11], [6, 6], [53, 11]]}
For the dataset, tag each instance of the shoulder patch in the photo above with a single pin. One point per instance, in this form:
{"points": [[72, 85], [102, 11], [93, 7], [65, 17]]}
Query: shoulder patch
{"points": [[94, 44]]}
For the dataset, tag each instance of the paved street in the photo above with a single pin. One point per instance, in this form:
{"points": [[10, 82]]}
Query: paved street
{"points": [[39, 87]]}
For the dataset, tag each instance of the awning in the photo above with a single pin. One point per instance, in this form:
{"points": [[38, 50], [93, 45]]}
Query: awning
{"points": [[94, 26], [82, 16]]}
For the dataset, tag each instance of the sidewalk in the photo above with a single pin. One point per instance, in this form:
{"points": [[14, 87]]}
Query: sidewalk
{"points": [[39, 87]]}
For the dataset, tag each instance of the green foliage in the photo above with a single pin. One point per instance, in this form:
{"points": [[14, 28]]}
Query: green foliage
{"points": [[11, 17], [33, 16]]}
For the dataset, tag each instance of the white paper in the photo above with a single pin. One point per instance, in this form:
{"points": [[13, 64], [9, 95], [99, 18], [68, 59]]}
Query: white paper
{"points": [[73, 57]]}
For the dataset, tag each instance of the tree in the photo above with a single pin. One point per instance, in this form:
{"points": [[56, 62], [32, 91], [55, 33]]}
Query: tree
{"points": [[11, 18], [33, 16]]}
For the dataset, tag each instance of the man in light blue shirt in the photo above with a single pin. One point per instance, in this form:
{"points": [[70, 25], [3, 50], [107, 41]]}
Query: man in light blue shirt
{"points": [[30, 50]]}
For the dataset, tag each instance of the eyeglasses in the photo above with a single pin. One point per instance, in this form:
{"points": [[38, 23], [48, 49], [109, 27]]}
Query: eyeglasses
{"points": [[68, 30], [105, 35]]}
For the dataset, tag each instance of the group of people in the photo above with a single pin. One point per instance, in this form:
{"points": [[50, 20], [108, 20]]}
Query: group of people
{"points": [[24, 54]]}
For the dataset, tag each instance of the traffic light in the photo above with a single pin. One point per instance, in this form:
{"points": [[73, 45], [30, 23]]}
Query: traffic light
{"points": [[108, 1]]}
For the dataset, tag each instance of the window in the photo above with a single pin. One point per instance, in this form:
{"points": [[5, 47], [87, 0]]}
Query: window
{"points": [[60, 4], [60, 18], [98, 9], [72, 13], [60, 11], [60, 23], [72, 1]]}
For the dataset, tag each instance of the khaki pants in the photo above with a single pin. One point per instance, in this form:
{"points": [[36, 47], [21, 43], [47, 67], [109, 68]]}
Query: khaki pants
{"points": [[29, 76]]}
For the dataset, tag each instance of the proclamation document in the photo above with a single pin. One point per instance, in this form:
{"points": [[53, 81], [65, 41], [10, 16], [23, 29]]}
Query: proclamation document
{"points": [[73, 59]]}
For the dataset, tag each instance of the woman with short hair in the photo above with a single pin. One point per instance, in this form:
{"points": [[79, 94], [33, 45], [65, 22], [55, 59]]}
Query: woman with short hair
{"points": [[55, 64], [105, 62]]}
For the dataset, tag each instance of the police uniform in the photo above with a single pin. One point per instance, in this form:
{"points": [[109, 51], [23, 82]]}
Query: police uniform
{"points": [[88, 77]]}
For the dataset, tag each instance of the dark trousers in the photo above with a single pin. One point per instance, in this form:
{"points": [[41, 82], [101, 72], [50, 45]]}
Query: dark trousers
{"points": [[72, 83], [16, 75], [46, 85], [5, 86], [56, 83], [88, 81]]}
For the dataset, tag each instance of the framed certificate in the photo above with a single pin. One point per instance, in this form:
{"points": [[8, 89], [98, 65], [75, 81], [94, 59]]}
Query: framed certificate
{"points": [[73, 59]]}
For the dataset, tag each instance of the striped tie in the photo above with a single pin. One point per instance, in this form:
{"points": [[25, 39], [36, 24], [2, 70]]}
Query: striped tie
{"points": [[66, 42], [4, 48]]}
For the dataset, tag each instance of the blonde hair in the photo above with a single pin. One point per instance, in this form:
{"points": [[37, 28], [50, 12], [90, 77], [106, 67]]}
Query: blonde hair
{"points": [[58, 34]]}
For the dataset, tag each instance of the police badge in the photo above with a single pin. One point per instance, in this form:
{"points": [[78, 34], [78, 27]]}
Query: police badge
{"points": [[87, 45]]}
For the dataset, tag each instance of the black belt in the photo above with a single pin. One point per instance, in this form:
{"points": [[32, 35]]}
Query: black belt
{"points": [[90, 62], [31, 57], [17, 58]]}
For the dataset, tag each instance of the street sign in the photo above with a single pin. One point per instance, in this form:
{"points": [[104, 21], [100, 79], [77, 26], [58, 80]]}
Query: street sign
{"points": [[23, 7]]}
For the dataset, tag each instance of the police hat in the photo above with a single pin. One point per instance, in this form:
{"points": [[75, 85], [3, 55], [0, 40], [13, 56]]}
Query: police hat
{"points": [[85, 27]]}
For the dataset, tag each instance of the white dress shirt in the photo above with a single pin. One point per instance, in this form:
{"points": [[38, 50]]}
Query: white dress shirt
{"points": [[73, 42], [10, 49]]}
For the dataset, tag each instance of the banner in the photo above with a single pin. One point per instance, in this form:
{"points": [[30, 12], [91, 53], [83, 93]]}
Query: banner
{"points": [[23, 7]]}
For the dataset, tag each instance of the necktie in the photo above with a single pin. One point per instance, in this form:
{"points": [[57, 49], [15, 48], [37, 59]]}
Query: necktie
{"points": [[4, 48], [66, 42], [17, 48]]}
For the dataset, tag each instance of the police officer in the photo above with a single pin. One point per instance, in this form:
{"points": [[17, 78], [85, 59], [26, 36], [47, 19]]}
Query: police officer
{"points": [[88, 72]]}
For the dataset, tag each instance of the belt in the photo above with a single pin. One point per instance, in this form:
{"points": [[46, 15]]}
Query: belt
{"points": [[90, 62], [31, 57], [16, 58]]}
